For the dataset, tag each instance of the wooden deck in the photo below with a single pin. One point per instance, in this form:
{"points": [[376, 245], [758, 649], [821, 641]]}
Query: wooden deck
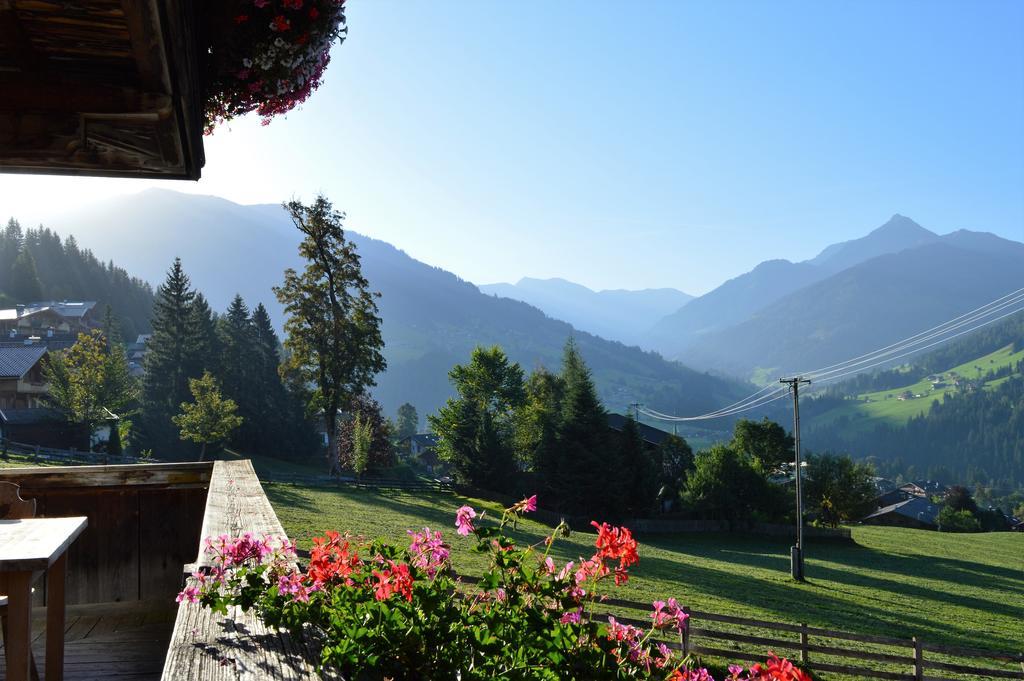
{"points": [[115, 641]]}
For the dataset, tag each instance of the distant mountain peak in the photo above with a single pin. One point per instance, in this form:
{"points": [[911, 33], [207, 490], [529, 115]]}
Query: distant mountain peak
{"points": [[902, 224]]}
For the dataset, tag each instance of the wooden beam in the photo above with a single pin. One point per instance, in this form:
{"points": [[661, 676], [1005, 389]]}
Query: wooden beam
{"points": [[25, 95], [17, 38], [146, 38]]}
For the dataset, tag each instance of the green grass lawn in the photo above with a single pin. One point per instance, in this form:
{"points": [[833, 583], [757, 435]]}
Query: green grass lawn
{"points": [[963, 590], [883, 406]]}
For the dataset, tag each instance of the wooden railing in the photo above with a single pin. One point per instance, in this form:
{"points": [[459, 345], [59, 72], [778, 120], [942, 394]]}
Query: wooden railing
{"points": [[144, 522]]}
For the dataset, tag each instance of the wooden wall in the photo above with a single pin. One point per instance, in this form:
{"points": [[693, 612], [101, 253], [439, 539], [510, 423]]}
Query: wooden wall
{"points": [[144, 525]]}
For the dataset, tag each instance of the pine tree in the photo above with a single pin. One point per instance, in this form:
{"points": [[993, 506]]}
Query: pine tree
{"points": [[170, 361]]}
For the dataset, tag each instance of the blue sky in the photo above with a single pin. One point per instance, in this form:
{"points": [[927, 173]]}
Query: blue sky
{"points": [[641, 144]]}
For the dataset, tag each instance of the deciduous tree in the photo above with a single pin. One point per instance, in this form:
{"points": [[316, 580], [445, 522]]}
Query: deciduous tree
{"points": [[90, 378], [210, 417], [475, 429]]}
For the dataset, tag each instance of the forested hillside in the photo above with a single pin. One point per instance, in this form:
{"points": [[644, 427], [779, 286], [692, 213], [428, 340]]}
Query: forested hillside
{"points": [[36, 264], [955, 414]]}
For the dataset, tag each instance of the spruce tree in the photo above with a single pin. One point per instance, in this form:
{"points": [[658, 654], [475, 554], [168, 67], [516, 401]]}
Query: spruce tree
{"points": [[204, 347], [275, 424], [169, 360], [588, 470], [237, 370], [25, 286]]}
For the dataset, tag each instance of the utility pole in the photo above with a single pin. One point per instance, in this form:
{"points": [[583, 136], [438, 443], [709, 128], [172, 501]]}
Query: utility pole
{"points": [[636, 411], [796, 554]]}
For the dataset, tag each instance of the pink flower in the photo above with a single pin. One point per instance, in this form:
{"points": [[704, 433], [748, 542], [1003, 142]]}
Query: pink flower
{"points": [[464, 520], [189, 593], [549, 565], [734, 671], [570, 617], [261, 3], [531, 504], [429, 552]]}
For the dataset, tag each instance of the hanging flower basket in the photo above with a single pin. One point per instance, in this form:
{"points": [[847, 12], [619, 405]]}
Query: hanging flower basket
{"points": [[267, 56]]}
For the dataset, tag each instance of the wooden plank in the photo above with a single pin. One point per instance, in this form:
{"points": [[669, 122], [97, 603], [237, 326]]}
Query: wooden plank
{"points": [[974, 652], [103, 565], [49, 478], [743, 638], [208, 646], [861, 654], [167, 540], [860, 671], [970, 669]]}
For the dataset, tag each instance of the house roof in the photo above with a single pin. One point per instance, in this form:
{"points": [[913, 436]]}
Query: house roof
{"points": [[16, 361], [423, 439], [62, 308], [649, 434], [31, 416], [917, 508]]}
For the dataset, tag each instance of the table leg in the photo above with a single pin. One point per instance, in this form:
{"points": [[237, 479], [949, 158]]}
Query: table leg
{"points": [[55, 580], [19, 624]]}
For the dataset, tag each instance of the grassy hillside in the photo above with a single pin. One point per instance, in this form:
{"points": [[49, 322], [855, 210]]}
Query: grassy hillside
{"points": [[954, 589], [867, 409]]}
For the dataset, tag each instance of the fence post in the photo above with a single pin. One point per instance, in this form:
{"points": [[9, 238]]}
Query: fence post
{"points": [[6, 456], [803, 642], [686, 632], [918, 660], [35, 458]]}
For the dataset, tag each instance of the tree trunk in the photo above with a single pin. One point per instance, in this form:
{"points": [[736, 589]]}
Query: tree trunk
{"points": [[202, 452], [332, 452]]}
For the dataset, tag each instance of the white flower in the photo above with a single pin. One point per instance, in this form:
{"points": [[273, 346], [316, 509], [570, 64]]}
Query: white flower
{"points": [[247, 63]]}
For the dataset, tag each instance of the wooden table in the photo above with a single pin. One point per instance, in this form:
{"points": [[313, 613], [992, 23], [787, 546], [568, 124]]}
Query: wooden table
{"points": [[28, 547]]}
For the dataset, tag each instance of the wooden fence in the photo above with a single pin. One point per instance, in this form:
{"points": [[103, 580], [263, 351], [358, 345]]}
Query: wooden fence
{"points": [[829, 651], [37, 454], [371, 483]]}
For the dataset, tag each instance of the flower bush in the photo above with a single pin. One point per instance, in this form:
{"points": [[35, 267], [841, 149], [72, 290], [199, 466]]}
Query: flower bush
{"points": [[381, 611], [267, 56]]}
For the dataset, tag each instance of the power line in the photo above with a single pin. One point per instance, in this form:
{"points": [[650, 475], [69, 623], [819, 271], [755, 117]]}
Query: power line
{"points": [[872, 359], [1017, 295]]}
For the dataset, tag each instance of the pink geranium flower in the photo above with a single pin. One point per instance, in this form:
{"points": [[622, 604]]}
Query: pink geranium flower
{"points": [[464, 520], [531, 504]]}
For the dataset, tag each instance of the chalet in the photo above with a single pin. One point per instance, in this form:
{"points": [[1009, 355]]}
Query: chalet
{"points": [[47, 320], [651, 436], [22, 385], [136, 354], [924, 489], [915, 512], [420, 443]]}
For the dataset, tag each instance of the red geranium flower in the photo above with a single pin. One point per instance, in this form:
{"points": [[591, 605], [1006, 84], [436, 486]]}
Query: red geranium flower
{"points": [[280, 24]]}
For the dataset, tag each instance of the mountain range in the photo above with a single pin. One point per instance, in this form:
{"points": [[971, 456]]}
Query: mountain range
{"points": [[431, 318], [851, 298], [616, 314]]}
